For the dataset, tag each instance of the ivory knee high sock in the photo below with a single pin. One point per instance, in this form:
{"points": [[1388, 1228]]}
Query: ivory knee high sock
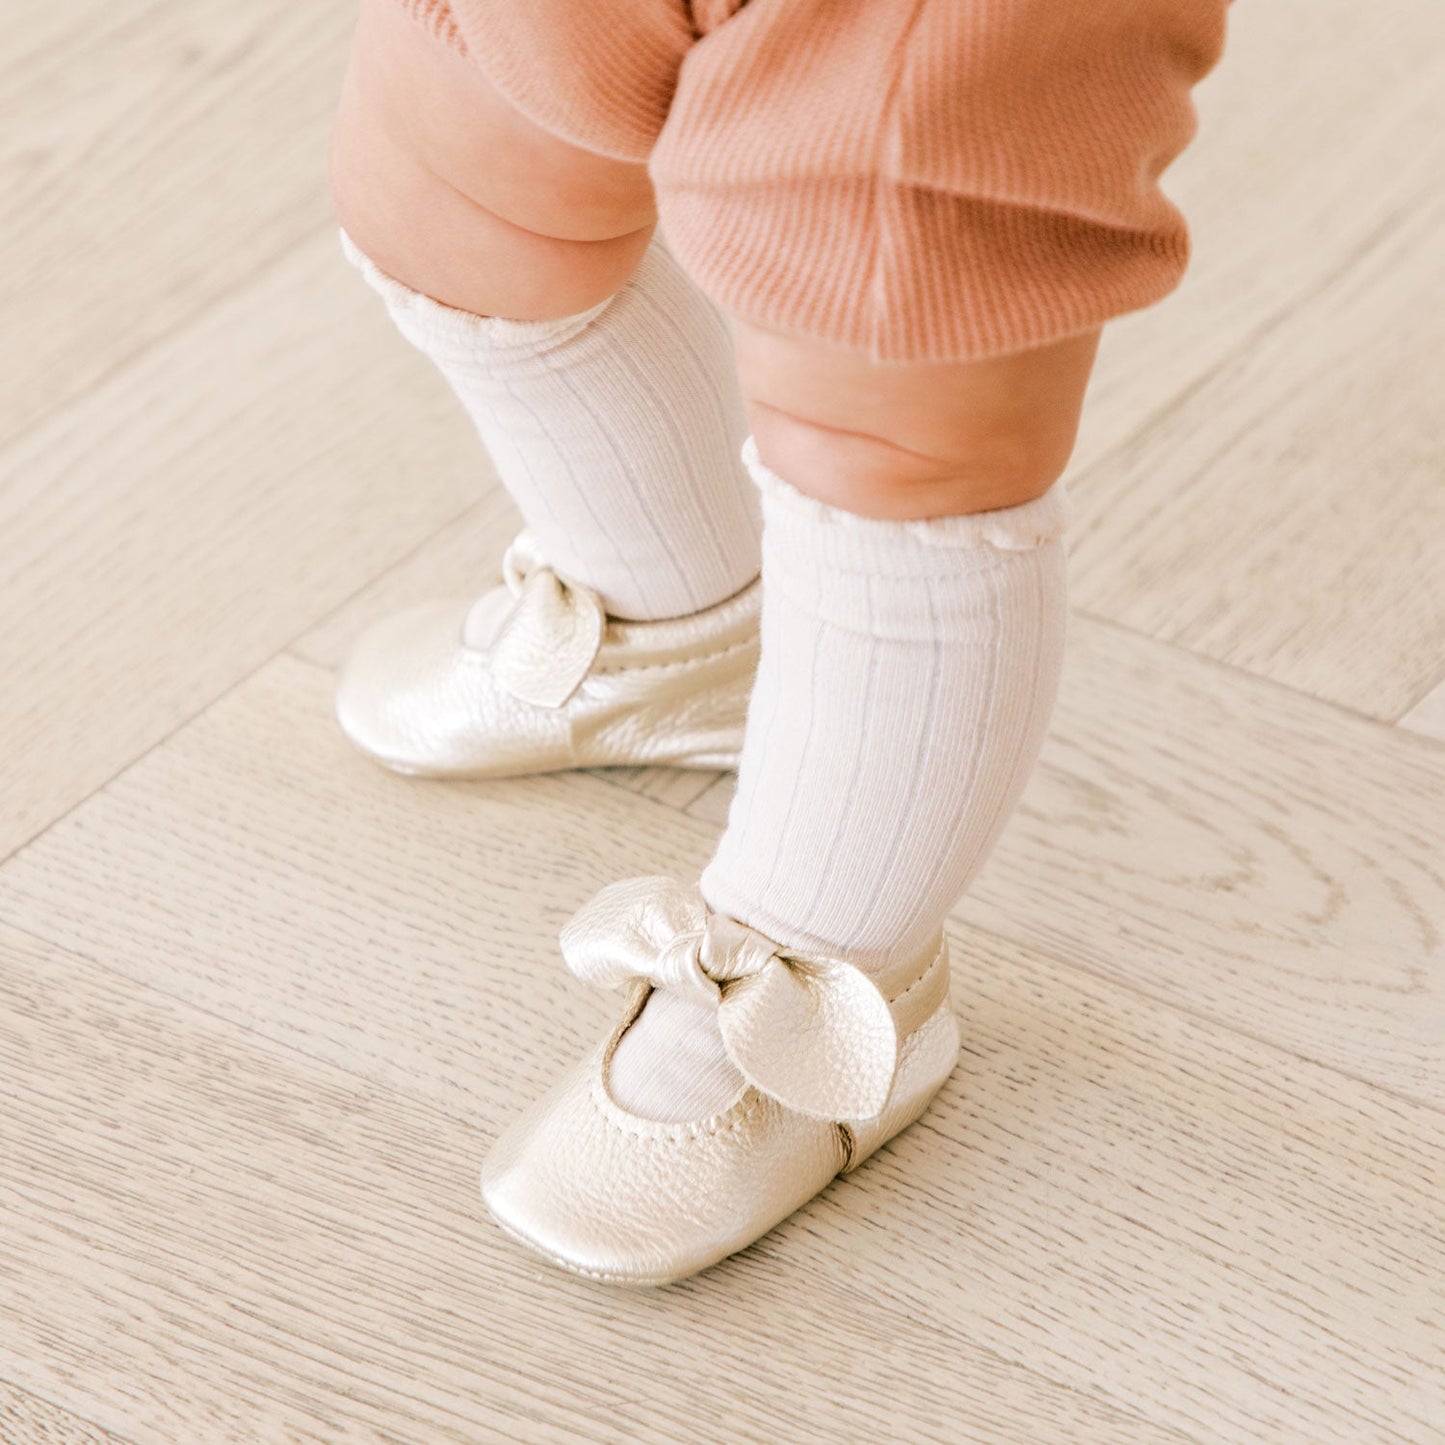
{"points": [[615, 431], [907, 675]]}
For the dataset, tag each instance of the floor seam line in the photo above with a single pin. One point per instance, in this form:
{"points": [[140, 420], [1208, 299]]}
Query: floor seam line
{"points": [[1305, 299], [1183, 650], [1197, 1015], [49, 415], [282, 650], [290, 646]]}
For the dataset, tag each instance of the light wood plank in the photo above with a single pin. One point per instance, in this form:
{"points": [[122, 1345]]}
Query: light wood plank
{"points": [[153, 157], [1321, 125], [1239, 851], [26, 1419], [222, 1240], [459, 560], [1427, 717], [674, 787], [247, 1210], [1286, 516], [170, 532], [460, 890]]}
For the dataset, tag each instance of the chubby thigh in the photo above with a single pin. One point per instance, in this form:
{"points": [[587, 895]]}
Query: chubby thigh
{"points": [[451, 189]]}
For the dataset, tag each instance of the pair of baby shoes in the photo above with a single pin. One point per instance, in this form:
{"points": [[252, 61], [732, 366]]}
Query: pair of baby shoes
{"points": [[534, 677]]}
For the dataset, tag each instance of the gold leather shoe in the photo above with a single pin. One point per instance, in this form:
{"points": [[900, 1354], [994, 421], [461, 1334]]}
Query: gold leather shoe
{"points": [[534, 676], [835, 1066]]}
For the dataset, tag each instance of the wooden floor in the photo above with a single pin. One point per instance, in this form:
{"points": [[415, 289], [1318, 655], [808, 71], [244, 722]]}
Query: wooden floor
{"points": [[262, 1006]]}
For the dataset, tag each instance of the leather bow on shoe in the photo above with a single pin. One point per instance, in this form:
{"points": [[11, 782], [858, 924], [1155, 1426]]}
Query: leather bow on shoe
{"points": [[542, 633], [813, 1033]]}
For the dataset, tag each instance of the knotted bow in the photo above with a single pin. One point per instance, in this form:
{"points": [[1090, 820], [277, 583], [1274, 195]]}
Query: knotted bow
{"points": [[542, 633], [814, 1033]]}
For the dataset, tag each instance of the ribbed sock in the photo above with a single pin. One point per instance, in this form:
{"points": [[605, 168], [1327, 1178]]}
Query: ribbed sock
{"points": [[907, 675], [616, 432]]}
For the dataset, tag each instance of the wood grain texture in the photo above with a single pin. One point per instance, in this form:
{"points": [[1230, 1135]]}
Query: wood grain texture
{"points": [[153, 156], [263, 1005], [460, 890], [1285, 517], [1256, 1242], [26, 1419], [712, 805], [173, 529], [1216, 1236], [460, 560], [223, 1240]]}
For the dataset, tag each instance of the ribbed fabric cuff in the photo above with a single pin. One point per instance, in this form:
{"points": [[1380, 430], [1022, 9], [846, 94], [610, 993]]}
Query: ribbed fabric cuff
{"points": [[446, 334], [852, 543], [902, 581]]}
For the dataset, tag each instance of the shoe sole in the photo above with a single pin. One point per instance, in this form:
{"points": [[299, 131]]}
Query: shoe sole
{"points": [[692, 762]]}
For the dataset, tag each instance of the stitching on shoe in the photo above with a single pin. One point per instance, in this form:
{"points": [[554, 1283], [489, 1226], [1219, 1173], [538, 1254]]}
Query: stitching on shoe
{"points": [[922, 977], [674, 666], [672, 1131]]}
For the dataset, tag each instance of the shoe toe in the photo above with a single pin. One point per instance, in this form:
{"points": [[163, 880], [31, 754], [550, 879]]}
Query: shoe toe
{"points": [[402, 697], [627, 1201]]}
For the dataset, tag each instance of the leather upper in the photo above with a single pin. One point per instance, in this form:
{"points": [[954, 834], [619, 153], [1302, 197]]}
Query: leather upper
{"points": [[533, 677]]}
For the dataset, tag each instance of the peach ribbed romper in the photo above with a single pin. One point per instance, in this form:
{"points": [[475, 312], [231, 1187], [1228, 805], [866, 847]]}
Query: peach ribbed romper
{"points": [[923, 179]]}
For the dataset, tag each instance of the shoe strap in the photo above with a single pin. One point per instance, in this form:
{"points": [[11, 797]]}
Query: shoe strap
{"points": [[813, 1033]]}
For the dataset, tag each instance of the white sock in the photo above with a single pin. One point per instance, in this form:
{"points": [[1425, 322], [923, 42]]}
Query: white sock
{"points": [[907, 675], [615, 431]]}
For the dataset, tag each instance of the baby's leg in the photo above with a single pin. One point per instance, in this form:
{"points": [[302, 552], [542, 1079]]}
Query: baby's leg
{"points": [[912, 635], [967, 190], [599, 379]]}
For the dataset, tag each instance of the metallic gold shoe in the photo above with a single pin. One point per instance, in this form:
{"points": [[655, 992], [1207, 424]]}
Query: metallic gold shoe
{"points": [[835, 1066], [534, 676]]}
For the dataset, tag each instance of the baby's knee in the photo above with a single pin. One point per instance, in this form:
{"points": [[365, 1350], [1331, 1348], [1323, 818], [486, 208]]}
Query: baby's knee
{"points": [[874, 475], [913, 439], [454, 192], [433, 239]]}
